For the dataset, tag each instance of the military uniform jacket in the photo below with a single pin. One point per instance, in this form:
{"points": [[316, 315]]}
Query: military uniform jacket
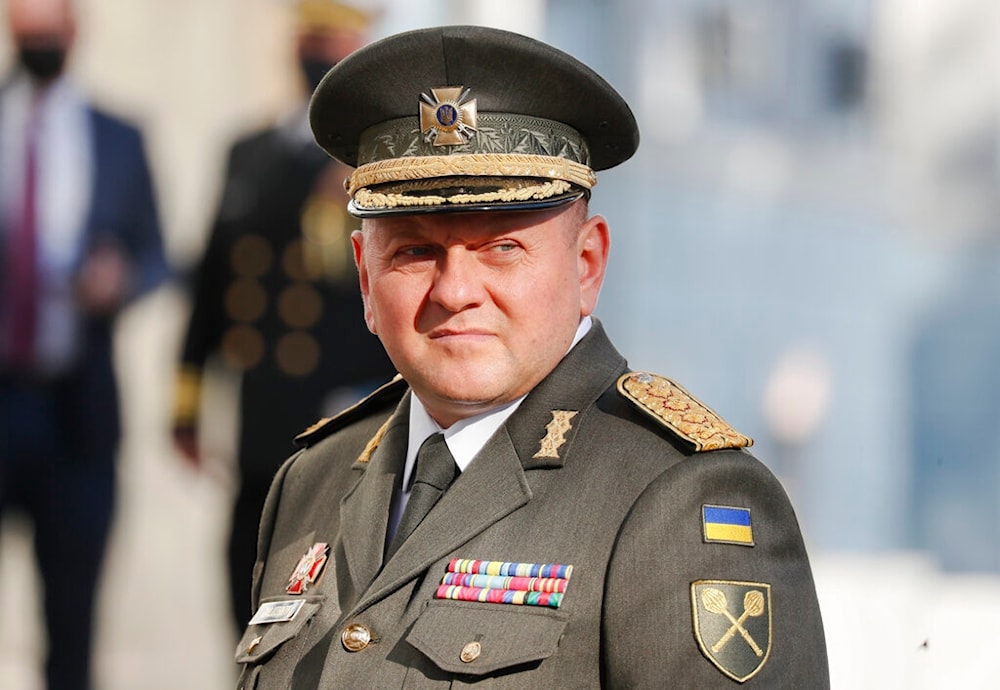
{"points": [[608, 490], [282, 313]]}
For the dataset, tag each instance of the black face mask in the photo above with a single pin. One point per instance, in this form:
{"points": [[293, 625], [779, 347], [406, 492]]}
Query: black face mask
{"points": [[314, 70], [43, 63]]}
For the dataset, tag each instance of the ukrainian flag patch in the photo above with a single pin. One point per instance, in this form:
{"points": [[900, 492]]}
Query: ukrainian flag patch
{"points": [[727, 525]]}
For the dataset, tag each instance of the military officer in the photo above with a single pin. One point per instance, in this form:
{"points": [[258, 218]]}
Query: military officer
{"points": [[518, 508]]}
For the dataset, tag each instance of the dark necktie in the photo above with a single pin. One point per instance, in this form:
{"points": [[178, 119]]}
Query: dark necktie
{"points": [[434, 472], [22, 260]]}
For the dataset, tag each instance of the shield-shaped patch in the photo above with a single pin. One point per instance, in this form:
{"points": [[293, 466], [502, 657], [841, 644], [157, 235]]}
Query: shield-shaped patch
{"points": [[732, 623]]}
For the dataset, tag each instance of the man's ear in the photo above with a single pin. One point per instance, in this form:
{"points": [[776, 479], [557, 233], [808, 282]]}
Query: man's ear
{"points": [[358, 243], [593, 245]]}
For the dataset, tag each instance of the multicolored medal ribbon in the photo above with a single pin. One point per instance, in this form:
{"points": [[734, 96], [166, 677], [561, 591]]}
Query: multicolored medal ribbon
{"points": [[502, 582]]}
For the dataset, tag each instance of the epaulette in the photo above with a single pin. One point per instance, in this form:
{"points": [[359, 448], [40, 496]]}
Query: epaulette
{"points": [[389, 394], [679, 411]]}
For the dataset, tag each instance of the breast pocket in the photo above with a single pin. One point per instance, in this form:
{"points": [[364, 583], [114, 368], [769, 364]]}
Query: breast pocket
{"points": [[482, 639], [262, 641]]}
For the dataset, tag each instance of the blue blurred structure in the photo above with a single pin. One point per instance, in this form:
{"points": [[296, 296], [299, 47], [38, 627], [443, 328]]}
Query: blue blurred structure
{"points": [[804, 182], [956, 421]]}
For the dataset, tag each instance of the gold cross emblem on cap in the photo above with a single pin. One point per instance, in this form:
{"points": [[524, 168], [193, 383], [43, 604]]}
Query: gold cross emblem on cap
{"points": [[446, 119]]}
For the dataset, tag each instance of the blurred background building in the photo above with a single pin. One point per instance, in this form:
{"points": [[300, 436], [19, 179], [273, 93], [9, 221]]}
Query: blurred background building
{"points": [[808, 240]]}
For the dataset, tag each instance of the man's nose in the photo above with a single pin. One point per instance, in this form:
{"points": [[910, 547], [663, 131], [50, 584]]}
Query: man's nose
{"points": [[458, 281]]}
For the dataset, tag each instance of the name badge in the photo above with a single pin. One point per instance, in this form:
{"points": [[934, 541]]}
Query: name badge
{"points": [[276, 612]]}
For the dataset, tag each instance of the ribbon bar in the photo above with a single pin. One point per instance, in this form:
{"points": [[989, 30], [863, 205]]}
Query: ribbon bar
{"points": [[520, 584], [499, 596], [510, 569]]}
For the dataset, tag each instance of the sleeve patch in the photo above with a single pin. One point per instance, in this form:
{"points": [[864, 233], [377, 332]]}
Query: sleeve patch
{"points": [[732, 623]]}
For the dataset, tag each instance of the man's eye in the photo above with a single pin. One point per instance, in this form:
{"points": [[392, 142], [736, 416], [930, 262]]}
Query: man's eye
{"points": [[415, 252]]}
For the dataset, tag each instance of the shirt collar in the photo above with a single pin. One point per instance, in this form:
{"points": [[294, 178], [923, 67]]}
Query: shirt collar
{"points": [[466, 437]]}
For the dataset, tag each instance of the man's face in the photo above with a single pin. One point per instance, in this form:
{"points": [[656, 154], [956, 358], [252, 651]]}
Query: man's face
{"points": [[475, 309], [43, 32], [40, 23]]}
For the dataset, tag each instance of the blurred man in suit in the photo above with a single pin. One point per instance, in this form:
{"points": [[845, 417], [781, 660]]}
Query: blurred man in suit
{"points": [[275, 293], [79, 239]]}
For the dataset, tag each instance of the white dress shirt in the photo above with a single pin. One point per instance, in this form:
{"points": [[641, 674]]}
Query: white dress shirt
{"points": [[465, 438], [65, 160]]}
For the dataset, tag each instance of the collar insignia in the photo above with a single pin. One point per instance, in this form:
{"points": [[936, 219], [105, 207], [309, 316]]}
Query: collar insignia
{"points": [[308, 569], [732, 623], [555, 435], [446, 119]]}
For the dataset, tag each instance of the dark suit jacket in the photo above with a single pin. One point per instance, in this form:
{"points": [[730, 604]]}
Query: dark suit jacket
{"points": [[622, 503], [122, 212]]}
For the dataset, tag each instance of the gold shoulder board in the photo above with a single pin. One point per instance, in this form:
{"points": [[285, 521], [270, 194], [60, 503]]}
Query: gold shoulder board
{"points": [[679, 411]]}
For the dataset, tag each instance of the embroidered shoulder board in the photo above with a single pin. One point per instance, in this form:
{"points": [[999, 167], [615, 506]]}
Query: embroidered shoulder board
{"points": [[389, 394], [679, 411]]}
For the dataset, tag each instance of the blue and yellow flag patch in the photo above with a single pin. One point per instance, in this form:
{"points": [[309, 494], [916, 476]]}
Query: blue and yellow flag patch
{"points": [[727, 525]]}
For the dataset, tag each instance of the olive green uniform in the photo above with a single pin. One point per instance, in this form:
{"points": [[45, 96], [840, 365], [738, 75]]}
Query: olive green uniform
{"points": [[580, 474]]}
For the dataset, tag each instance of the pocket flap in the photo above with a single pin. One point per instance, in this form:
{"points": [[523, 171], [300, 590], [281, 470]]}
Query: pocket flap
{"points": [[261, 641], [476, 639]]}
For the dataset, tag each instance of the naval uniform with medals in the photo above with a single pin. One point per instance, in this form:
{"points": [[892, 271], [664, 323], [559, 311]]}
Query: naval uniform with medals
{"points": [[275, 298]]}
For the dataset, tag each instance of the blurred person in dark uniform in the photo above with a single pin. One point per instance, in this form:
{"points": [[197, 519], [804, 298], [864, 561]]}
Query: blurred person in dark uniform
{"points": [[79, 239], [275, 294], [519, 508]]}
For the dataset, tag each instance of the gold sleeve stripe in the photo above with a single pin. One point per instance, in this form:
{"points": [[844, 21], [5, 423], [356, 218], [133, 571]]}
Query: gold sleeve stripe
{"points": [[187, 394]]}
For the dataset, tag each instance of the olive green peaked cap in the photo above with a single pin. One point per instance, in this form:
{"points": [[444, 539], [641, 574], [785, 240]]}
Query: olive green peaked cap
{"points": [[465, 118]]}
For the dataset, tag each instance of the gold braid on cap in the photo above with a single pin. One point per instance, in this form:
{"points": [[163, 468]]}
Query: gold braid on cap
{"points": [[365, 198], [473, 164]]}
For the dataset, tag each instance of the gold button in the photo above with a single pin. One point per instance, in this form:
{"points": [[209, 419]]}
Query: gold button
{"points": [[355, 637], [471, 652], [253, 644], [297, 353], [242, 347], [251, 256]]}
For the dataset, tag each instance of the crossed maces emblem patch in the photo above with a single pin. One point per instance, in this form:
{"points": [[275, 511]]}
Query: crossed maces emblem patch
{"points": [[732, 623]]}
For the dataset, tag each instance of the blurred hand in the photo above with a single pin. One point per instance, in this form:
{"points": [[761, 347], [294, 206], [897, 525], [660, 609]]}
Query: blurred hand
{"points": [[102, 282], [186, 442]]}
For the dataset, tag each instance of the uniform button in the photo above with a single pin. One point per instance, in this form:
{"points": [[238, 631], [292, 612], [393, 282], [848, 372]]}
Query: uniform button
{"points": [[355, 637], [471, 652]]}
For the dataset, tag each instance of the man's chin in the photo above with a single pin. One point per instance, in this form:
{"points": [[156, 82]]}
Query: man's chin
{"points": [[451, 403]]}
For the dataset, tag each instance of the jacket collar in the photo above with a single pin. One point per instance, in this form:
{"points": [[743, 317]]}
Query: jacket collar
{"points": [[492, 487]]}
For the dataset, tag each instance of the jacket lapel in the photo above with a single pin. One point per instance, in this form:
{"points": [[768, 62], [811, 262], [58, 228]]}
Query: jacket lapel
{"points": [[364, 513], [486, 492], [495, 484]]}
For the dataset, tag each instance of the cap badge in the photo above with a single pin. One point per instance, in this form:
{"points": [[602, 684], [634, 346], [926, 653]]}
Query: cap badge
{"points": [[308, 568], [446, 119]]}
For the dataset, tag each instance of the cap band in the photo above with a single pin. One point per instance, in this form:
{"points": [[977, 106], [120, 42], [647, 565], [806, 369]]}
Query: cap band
{"points": [[488, 159], [536, 191], [495, 132], [477, 165]]}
